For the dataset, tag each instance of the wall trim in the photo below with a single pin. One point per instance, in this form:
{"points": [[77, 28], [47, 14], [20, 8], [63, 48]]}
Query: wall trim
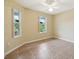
{"points": [[26, 43], [66, 40]]}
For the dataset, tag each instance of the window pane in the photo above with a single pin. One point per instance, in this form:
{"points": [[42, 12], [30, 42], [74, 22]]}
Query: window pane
{"points": [[43, 24]]}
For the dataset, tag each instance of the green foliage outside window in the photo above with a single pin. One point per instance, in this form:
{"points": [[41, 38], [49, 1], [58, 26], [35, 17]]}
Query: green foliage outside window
{"points": [[42, 27], [43, 24]]}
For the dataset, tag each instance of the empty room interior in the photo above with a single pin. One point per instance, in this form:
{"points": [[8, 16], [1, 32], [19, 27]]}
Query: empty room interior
{"points": [[39, 29]]}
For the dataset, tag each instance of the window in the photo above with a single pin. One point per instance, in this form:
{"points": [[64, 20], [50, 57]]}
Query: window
{"points": [[42, 24], [16, 23]]}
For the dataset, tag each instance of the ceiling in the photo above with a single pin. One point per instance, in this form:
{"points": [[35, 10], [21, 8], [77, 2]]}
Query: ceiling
{"points": [[57, 6]]}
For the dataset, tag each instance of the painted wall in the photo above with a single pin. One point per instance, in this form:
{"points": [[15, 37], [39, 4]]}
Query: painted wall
{"points": [[64, 25], [59, 25], [29, 26]]}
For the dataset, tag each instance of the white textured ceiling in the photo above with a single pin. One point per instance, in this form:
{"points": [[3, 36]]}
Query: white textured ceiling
{"points": [[62, 5]]}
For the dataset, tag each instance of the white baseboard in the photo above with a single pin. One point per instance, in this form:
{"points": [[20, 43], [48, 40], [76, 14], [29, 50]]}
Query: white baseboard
{"points": [[26, 43], [66, 40]]}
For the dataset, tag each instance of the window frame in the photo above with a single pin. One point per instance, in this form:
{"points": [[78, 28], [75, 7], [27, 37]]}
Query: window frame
{"points": [[45, 24], [20, 18]]}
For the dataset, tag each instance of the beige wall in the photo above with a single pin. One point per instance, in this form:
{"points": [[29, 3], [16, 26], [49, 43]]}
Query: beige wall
{"points": [[60, 25], [64, 25], [29, 26]]}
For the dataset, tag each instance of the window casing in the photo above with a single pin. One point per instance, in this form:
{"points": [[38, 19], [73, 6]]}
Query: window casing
{"points": [[42, 24]]}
